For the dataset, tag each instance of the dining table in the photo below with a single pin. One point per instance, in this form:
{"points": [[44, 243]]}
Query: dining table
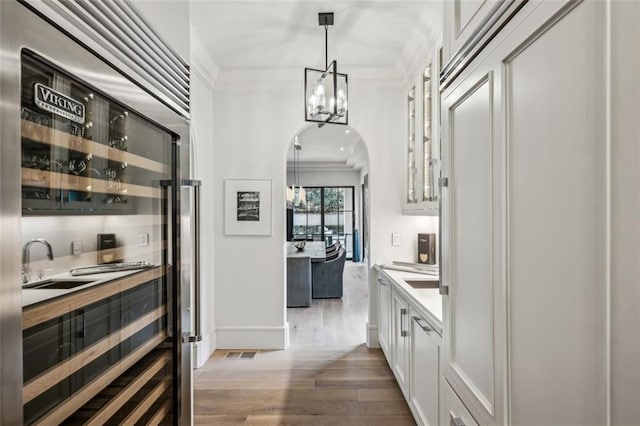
{"points": [[312, 249]]}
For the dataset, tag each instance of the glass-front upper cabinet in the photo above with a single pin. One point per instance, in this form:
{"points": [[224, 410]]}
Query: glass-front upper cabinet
{"points": [[422, 157], [82, 153]]}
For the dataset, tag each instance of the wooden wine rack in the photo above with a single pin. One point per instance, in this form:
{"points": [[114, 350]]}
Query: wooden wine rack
{"points": [[139, 381]]}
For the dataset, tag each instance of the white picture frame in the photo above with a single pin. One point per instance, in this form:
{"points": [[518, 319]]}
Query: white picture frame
{"points": [[247, 207]]}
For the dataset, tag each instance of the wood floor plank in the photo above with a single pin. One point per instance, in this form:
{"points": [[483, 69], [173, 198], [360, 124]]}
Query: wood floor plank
{"points": [[331, 420], [389, 394], [250, 383], [219, 420], [327, 377]]}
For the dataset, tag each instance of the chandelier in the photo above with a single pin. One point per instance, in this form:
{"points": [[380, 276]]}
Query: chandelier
{"points": [[326, 91]]}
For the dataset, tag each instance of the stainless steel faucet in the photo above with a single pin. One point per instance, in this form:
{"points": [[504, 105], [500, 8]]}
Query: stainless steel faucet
{"points": [[26, 269]]}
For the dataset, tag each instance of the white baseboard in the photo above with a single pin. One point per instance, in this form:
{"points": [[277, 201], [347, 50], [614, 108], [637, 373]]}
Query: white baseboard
{"points": [[372, 336], [204, 349], [252, 337]]}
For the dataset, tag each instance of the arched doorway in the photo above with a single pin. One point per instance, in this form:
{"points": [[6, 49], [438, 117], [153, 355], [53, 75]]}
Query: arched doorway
{"points": [[331, 165]]}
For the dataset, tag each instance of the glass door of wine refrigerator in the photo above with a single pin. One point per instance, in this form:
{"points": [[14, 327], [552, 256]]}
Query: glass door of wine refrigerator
{"points": [[93, 170]]}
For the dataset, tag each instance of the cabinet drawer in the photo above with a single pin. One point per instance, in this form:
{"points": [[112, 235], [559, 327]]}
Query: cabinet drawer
{"points": [[455, 413]]}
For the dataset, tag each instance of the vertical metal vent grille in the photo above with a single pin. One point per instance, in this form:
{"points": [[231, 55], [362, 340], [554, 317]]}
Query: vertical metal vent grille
{"points": [[118, 28]]}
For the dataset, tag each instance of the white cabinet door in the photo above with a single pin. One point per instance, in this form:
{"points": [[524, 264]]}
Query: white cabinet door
{"points": [[384, 315], [425, 371], [557, 218], [400, 344], [525, 221], [469, 117]]}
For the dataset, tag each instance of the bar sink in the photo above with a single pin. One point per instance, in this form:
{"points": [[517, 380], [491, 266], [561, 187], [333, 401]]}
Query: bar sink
{"points": [[56, 284], [422, 284]]}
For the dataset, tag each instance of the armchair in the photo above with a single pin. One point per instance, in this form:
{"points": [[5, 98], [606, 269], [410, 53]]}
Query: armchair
{"points": [[326, 277]]}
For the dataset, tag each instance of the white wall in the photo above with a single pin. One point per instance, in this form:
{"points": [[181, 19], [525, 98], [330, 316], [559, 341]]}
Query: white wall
{"points": [[325, 177], [251, 137], [60, 231], [202, 154]]}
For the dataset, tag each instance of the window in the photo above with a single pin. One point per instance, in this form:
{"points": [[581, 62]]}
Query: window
{"points": [[327, 216]]}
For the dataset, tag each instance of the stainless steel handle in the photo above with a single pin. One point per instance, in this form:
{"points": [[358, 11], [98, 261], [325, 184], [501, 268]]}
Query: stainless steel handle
{"points": [[423, 324], [456, 421], [382, 282], [197, 336], [403, 332], [443, 182]]}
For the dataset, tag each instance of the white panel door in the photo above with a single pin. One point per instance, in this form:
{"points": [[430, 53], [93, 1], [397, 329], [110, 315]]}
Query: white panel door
{"points": [[469, 346], [556, 205], [400, 345], [425, 371], [384, 312]]}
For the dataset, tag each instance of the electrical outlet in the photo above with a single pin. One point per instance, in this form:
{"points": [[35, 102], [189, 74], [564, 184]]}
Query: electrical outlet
{"points": [[143, 240], [395, 239], [76, 247]]}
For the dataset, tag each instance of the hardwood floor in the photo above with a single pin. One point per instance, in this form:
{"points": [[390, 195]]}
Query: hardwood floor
{"points": [[326, 377]]}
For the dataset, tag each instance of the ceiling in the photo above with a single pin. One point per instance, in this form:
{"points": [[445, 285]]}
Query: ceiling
{"points": [[331, 144], [269, 35], [242, 34]]}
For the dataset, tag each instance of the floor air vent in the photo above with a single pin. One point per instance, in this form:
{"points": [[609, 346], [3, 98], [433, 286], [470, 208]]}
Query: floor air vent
{"points": [[240, 355]]}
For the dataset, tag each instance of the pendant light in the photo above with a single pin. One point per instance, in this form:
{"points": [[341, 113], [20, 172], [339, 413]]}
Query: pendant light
{"points": [[299, 194], [296, 194], [326, 91]]}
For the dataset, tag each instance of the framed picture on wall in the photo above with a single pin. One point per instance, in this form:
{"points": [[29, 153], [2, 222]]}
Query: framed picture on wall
{"points": [[247, 207]]}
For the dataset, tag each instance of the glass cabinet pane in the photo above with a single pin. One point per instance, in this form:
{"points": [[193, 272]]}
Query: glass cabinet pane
{"points": [[428, 162], [102, 161], [411, 146]]}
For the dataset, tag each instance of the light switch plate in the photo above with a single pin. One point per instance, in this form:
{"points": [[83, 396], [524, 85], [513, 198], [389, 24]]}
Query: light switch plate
{"points": [[76, 247], [143, 240], [395, 239]]}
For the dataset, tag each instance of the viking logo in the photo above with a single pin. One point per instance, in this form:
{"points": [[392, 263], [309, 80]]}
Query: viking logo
{"points": [[48, 99]]}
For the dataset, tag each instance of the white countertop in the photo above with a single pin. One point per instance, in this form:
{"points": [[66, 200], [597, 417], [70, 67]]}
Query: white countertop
{"points": [[33, 296], [427, 300]]}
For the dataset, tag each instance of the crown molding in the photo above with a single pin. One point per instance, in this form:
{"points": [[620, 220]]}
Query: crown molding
{"points": [[323, 166], [202, 63], [420, 46], [289, 79], [414, 66]]}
